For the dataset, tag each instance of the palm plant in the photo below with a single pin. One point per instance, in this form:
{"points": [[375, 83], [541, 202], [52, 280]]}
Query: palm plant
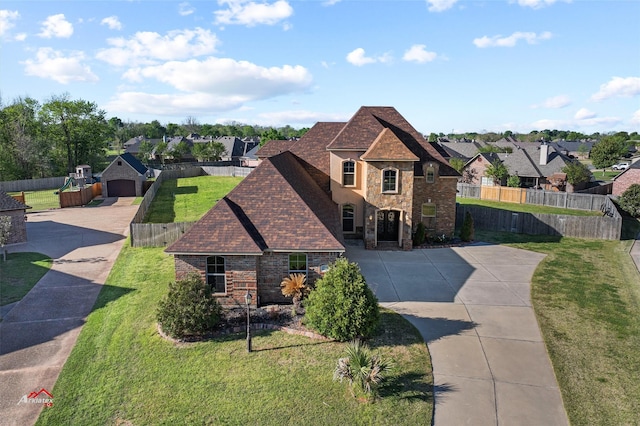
{"points": [[361, 368], [294, 286]]}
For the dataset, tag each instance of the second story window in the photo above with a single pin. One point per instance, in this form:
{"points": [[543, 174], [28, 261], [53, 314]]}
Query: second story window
{"points": [[349, 173], [390, 180], [431, 174]]}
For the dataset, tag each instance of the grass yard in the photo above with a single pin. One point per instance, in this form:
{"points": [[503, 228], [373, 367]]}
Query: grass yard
{"points": [[188, 199], [525, 208], [20, 273], [122, 372], [41, 200], [586, 295]]}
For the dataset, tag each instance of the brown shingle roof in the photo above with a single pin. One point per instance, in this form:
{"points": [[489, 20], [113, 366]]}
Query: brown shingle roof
{"points": [[365, 126], [277, 207], [8, 203], [387, 146], [274, 147]]}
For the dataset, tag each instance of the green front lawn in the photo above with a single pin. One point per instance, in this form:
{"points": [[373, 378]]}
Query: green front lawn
{"points": [[188, 199], [525, 208], [122, 372], [20, 273], [586, 295]]}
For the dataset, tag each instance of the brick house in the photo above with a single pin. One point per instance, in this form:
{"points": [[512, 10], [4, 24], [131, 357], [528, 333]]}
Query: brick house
{"points": [[16, 210], [627, 178], [372, 178], [124, 177]]}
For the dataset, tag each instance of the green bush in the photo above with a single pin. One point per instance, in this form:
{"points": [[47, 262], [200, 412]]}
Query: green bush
{"points": [[467, 232], [421, 235], [630, 200], [189, 308], [342, 306]]}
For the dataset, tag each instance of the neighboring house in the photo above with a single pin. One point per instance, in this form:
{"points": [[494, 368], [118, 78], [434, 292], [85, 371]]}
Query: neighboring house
{"points": [[250, 159], [236, 148], [575, 149], [537, 165], [627, 178], [464, 150], [16, 210], [124, 177], [374, 178]]}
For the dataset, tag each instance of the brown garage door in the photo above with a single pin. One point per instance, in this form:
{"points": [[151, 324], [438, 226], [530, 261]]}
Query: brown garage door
{"points": [[121, 188]]}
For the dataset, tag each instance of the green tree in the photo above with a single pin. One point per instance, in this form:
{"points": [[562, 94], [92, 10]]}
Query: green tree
{"points": [[630, 200], [467, 231], [457, 163], [201, 151], [607, 151], [497, 171], [513, 181], [77, 130], [341, 305], [179, 150], [144, 151], [154, 130], [432, 138], [5, 234], [271, 134], [577, 173], [161, 150]]}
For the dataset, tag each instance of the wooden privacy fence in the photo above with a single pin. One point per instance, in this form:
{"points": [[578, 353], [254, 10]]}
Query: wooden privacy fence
{"points": [[162, 234], [81, 197], [567, 200], [157, 234], [32, 184], [595, 227]]}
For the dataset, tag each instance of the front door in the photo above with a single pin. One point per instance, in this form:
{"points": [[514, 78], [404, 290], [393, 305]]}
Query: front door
{"points": [[388, 225]]}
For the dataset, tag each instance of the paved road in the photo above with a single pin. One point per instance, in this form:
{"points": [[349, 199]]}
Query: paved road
{"points": [[472, 306], [38, 333]]}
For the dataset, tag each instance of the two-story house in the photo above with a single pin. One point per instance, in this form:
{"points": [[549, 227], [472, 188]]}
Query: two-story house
{"points": [[374, 177]]}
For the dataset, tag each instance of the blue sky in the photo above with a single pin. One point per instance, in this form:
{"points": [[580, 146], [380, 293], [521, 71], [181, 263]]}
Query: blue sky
{"points": [[446, 65]]}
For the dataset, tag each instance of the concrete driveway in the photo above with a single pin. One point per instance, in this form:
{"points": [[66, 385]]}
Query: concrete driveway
{"points": [[38, 333], [472, 306]]}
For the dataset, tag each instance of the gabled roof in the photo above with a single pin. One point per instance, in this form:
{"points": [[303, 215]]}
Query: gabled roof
{"points": [[387, 146], [8, 203], [274, 147], [634, 167], [367, 124], [132, 161], [277, 207]]}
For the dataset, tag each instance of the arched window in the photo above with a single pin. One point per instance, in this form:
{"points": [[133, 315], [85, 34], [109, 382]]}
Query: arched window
{"points": [[216, 277], [390, 180], [430, 173], [348, 218], [349, 173]]}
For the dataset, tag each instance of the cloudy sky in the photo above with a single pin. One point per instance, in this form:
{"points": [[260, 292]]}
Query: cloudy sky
{"points": [[446, 65]]}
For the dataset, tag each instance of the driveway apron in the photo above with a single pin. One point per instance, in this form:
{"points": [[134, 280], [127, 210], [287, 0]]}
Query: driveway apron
{"points": [[38, 333], [472, 306]]}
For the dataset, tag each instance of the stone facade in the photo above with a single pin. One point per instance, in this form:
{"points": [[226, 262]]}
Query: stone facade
{"points": [[259, 275], [18, 226], [442, 193]]}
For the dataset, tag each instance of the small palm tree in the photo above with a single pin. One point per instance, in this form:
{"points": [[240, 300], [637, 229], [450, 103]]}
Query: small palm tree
{"points": [[294, 286], [361, 368]]}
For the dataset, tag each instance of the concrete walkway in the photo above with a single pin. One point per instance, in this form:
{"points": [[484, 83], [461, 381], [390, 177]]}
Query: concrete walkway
{"points": [[472, 306], [38, 333], [635, 252]]}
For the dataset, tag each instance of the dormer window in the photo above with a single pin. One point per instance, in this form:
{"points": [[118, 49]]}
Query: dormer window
{"points": [[349, 173], [390, 181]]}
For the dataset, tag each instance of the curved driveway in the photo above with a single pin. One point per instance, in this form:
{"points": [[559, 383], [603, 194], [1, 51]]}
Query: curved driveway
{"points": [[38, 333], [472, 306]]}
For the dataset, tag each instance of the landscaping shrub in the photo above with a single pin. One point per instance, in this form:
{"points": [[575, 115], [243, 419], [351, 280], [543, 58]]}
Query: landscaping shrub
{"points": [[342, 306], [421, 235], [189, 308], [467, 232], [361, 368], [630, 200], [294, 286]]}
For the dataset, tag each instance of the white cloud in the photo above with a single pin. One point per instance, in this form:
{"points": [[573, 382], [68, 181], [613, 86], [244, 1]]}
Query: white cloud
{"points": [[226, 78], [249, 13], [53, 65], [584, 114], [618, 87], [537, 4], [510, 41], [298, 117], [554, 102], [112, 22], [20, 37], [185, 9], [7, 18], [330, 2], [608, 122], [418, 53], [359, 58], [635, 119], [56, 26], [150, 47], [440, 5], [171, 104]]}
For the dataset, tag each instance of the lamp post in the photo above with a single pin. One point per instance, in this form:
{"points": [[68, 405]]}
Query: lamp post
{"points": [[247, 299]]}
